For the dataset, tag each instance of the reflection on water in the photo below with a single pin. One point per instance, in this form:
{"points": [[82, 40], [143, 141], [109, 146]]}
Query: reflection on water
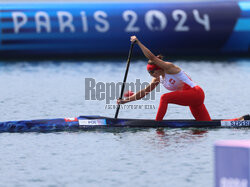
{"points": [[177, 137]]}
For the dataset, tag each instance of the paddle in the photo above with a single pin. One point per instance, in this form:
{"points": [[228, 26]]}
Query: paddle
{"points": [[125, 78]]}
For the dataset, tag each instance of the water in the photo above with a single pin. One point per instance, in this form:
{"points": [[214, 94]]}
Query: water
{"points": [[132, 157]]}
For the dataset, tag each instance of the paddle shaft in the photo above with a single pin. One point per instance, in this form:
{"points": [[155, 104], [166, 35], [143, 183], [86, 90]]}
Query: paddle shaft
{"points": [[125, 77]]}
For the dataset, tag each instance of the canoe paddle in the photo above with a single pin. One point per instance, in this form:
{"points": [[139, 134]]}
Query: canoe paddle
{"points": [[125, 77]]}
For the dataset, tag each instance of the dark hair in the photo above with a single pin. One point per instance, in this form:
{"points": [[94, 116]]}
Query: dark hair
{"points": [[158, 56]]}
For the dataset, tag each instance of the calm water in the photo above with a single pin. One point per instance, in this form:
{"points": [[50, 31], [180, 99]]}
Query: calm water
{"points": [[146, 157]]}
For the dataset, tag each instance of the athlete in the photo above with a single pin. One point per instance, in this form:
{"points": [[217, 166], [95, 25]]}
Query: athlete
{"points": [[184, 91]]}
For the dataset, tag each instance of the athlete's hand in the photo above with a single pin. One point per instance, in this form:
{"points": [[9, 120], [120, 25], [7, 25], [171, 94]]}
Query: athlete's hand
{"points": [[134, 39], [151, 62], [120, 101]]}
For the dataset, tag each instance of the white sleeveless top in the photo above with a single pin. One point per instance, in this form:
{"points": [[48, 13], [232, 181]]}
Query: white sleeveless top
{"points": [[174, 82]]}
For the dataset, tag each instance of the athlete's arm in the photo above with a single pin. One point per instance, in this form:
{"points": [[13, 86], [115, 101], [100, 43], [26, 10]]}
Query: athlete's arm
{"points": [[142, 93], [167, 66]]}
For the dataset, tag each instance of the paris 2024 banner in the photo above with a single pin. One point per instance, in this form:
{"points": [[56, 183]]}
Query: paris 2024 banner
{"points": [[104, 28]]}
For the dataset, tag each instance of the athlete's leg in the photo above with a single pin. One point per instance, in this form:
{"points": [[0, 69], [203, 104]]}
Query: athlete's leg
{"points": [[245, 117], [200, 113], [163, 106]]}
